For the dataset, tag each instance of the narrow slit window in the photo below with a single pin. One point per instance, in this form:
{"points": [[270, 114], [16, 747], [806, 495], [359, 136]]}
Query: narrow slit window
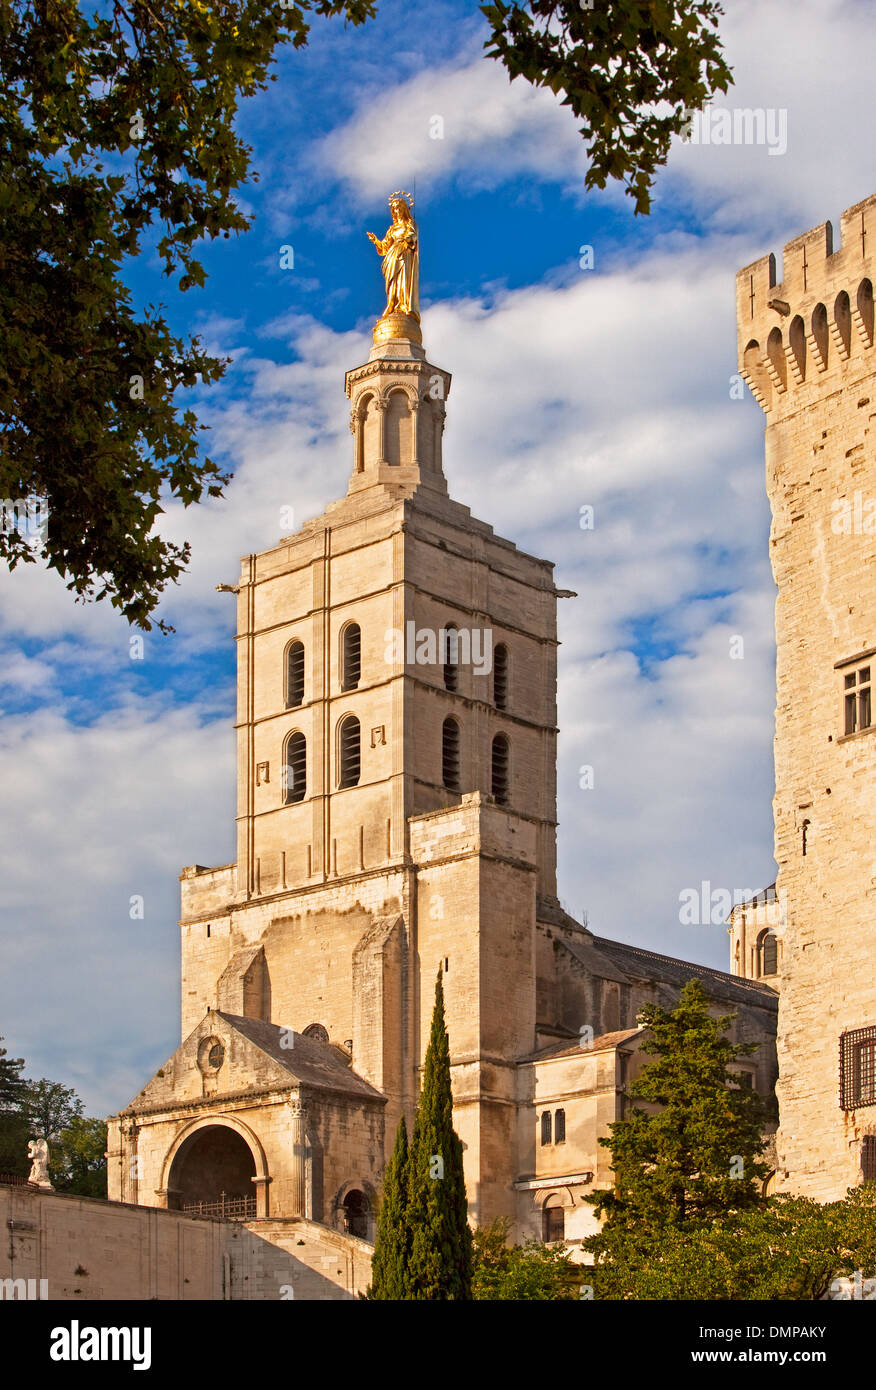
{"points": [[559, 1127], [545, 1128]]}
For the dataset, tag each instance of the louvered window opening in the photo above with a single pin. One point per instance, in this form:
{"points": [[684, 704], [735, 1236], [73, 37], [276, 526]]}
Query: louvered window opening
{"points": [[451, 659], [296, 768], [350, 751], [450, 755], [500, 676], [295, 675], [500, 769], [352, 656]]}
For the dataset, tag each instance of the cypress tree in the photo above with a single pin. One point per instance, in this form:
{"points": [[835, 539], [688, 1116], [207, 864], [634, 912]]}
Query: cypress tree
{"points": [[389, 1264], [440, 1259]]}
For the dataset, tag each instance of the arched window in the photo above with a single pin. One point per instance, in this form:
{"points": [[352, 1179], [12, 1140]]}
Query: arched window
{"points": [[776, 354], [295, 768], [553, 1220], [842, 317], [398, 430], [559, 1126], [500, 676], [317, 1032], [769, 953], [351, 656], [865, 309], [294, 674], [500, 770], [545, 1127], [451, 657], [349, 751], [450, 755]]}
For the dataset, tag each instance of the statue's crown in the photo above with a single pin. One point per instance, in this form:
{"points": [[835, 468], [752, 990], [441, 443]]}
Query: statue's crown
{"points": [[400, 193]]}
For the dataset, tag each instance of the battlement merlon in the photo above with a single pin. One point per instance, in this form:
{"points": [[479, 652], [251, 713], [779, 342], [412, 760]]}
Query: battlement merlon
{"points": [[814, 275]]}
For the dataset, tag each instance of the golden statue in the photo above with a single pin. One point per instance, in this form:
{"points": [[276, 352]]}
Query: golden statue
{"points": [[401, 273]]}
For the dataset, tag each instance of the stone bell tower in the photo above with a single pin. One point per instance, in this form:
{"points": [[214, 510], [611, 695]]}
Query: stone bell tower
{"points": [[396, 726], [806, 349]]}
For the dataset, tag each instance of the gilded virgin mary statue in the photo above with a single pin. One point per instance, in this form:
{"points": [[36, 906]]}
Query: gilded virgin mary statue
{"points": [[401, 273]]}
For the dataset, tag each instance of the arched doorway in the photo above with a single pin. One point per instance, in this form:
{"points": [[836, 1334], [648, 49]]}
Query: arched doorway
{"points": [[212, 1175], [356, 1214]]}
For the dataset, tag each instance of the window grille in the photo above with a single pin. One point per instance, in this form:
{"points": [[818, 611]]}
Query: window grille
{"points": [[858, 1068]]}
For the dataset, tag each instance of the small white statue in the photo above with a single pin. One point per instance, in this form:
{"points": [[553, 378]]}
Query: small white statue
{"points": [[38, 1153]]}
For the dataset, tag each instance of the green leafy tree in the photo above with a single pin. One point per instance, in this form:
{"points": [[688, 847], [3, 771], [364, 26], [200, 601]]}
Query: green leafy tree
{"points": [[790, 1249], [12, 1083], [528, 1272], [118, 120], [50, 1107], [631, 71], [13, 1121], [77, 1162], [440, 1259], [391, 1244], [696, 1154]]}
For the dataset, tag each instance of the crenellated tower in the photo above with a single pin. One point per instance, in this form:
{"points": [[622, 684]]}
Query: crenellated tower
{"points": [[806, 350]]}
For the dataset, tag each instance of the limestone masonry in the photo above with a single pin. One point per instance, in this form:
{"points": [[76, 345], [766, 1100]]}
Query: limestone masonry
{"points": [[806, 350]]}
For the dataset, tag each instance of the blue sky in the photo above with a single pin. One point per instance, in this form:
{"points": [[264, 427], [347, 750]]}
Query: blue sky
{"points": [[608, 387]]}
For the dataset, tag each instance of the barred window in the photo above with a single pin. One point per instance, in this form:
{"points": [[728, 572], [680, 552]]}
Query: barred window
{"points": [[858, 709], [545, 1128], [559, 1126], [858, 1068], [868, 1158]]}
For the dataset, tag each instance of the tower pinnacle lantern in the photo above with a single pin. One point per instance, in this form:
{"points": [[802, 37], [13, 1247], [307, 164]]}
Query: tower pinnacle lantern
{"points": [[397, 397]]}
